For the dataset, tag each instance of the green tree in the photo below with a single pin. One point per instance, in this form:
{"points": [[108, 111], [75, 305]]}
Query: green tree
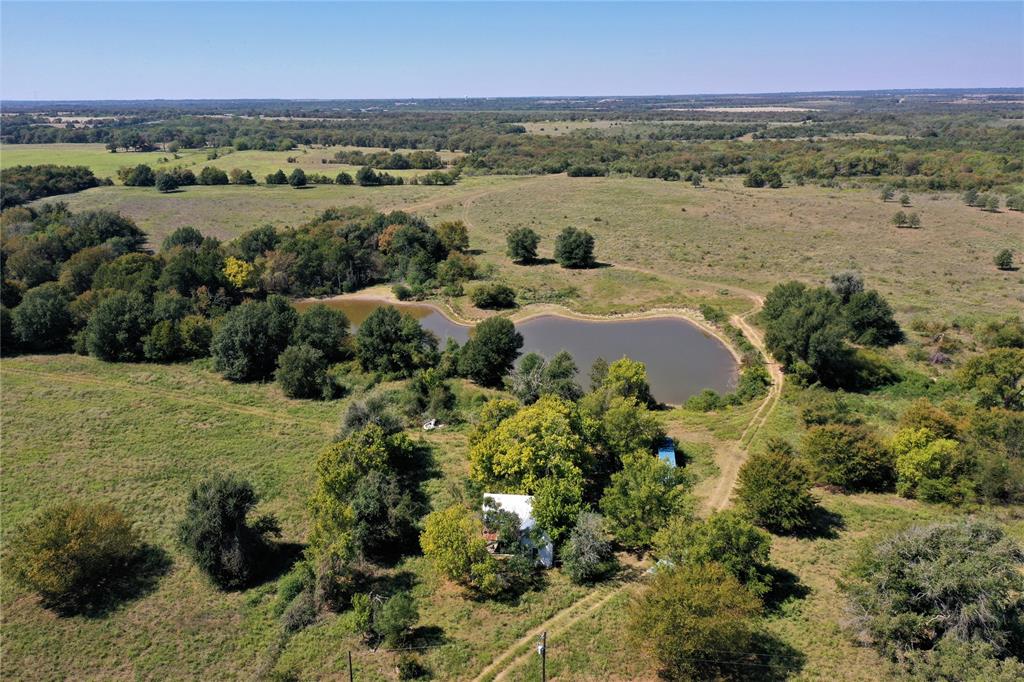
{"points": [[77, 272], [217, 534], [490, 353], [343, 179], [72, 554], [277, 178], [163, 343], [383, 517], [522, 449], [642, 498], [251, 336], [557, 503], [845, 284], [137, 176], [959, 581], [395, 619], [696, 621], [297, 178], [237, 176], [166, 182], [325, 329], [130, 272], [493, 296], [587, 555], [42, 320], [928, 467], [393, 343], [1004, 259], [726, 538], [806, 330], [452, 540], [302, 372], [521, 245], [211, 175], [774, 488], [904, 199], [628, 378], [454, 235], [871, 321], [118, 326], [997, 377], [187, 237], [574, 248], [850, 457], [899, 219]]}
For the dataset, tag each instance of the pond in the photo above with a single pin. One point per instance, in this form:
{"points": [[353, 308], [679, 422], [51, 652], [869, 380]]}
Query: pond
{"points": [[681, 358]]}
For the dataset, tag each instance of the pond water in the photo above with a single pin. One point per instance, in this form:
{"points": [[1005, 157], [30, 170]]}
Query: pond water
{"points": [[681, 358]]}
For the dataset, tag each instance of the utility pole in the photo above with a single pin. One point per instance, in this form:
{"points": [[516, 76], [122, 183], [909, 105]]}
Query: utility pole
{"points": [[543, 651], [350, 678]]}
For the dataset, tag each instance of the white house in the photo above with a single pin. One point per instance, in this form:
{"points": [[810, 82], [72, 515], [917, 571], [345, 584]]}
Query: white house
{"points": [[522, 506]]}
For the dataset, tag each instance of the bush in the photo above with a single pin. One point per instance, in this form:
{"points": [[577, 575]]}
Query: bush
{"points": [[188, 237], [696, 621], [725, 538], [395, 619], [774, 488], [849, 457], [574, 248], [1004, 259], [297, 178], [522, 245], [118, 327], [71, 554], [217, 535], [42, 321], [587, 555], [343, 179], [960, 581], [493, 296], [302, 372], [212, 176], [166, 182]]}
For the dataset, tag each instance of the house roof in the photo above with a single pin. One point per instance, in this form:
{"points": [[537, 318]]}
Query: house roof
{"points": [[520, 505]]}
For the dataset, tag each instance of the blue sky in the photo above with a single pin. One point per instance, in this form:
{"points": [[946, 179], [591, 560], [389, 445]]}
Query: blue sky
{"points": [[142, 50]]}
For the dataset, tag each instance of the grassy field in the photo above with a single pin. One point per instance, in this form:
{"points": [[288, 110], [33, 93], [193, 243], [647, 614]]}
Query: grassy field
{"points": [[261, 163], [668, 243]]}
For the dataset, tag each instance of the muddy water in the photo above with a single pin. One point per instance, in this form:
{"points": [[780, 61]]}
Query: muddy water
{"points": [[681, 358]]}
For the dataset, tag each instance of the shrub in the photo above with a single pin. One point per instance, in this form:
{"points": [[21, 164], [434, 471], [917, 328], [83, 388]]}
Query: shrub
{"points": [[1004, 259], [493, 296], [522, 245], [237, 176], [302, 372], [212, 176], [166, 182], [343, 179], [187, 236], [297, 178], [277, 178], [395, 619], [696, 621], [72, 553], [217, 535], [725, 538], [928, 467], [453, 234], [587, 555], [774, 488], [959, 581], [574, 248], [849, 457]]}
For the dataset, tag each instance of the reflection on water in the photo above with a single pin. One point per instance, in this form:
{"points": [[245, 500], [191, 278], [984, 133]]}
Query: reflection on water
{"points": [[681, 359]]}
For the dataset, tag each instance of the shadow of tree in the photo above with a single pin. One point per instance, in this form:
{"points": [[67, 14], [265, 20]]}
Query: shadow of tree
{"points": [[279, 559], [823, 525], [786, 587], [134, 581]]}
